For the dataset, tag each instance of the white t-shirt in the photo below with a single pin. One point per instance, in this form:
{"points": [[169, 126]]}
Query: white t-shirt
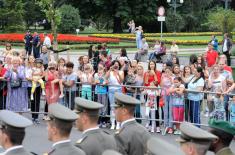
{"points": [[47, 42], [193, 86]]}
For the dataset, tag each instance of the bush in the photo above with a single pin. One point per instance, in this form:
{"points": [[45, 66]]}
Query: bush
{"points": [[70, 19]]}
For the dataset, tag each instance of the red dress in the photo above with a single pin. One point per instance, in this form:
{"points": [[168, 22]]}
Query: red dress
{"points": [[48, 88], [151, 78]]}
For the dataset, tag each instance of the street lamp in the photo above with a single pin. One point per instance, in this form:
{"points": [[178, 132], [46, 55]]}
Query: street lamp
{"points": [[175, 4]]}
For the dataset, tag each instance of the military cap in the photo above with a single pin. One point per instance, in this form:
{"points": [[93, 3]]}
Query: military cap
{"points": [[87, 105], [14, 120], [122, 99], [157, 146], [111, 152], [190, 132], [222, 125], [61, 112], [38, 60]]}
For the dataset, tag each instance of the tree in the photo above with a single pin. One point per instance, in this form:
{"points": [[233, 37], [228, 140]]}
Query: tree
{"points": [[70, 19], [174, 22], [12, 15], [33, 13], [222, 20], [51, 9]]}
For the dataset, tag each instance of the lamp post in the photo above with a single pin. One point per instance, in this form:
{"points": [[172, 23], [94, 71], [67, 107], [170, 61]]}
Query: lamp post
{"points": [[175, 4]]}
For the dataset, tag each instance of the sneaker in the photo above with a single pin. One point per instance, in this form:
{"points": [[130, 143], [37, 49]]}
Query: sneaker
{"points": [[36, 121], [158, 130], [118, 126], [31, 97], [170, 131], [206, 114], [61, 96], [176, 132], [103, 125], [152, 130], [43, 92], [112, 127], [147, 125]]}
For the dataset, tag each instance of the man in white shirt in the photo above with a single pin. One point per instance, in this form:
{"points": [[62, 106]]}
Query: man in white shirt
{"points": [[59, 127], [47, 41], [12, 132]]}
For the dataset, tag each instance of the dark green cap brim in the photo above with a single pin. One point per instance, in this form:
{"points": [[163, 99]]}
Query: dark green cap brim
{"points": [[222, 125]]}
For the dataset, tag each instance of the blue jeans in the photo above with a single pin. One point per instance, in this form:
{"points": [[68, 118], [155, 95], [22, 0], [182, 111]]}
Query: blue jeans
{"points": [[139, 43], [167, 112], [112, 101], [194, 112], [226, 99], [36, 52]]}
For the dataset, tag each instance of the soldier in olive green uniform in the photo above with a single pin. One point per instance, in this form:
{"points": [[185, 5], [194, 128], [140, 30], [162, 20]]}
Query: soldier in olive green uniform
{"points": [[194, 140], [132, 137], [158, 146], [225, 132], [13, 132], [59, 128], [94, 141]]}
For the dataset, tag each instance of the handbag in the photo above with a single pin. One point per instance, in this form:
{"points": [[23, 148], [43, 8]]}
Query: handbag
{"points": [[15, 83]]}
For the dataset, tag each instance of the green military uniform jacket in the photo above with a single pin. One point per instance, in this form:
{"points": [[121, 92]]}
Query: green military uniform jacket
{"points": [[132, 139], [66, 148], [95, 142], [225, 151]]}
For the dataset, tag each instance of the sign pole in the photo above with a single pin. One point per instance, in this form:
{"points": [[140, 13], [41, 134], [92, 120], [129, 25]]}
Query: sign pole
{"points": [[161, 29]]}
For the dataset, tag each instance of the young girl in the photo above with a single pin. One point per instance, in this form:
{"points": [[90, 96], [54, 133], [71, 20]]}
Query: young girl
{"points": [[177, 101], [232, 111], [101, 91], [61, 72], [37, 74], [87, 80], [151, 105], [219, 111]]}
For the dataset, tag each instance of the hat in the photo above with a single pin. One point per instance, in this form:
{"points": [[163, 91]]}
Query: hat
{"points": [[222, 125], [52, 64], [60, 112], [38, 60], [11, 119], [190, 132], [87, 105], [122, 99], [158, 147], [111, 152]]}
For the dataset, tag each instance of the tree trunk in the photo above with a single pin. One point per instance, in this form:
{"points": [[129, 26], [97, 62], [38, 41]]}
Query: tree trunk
{"points": [[117, 25], [54, 33]]}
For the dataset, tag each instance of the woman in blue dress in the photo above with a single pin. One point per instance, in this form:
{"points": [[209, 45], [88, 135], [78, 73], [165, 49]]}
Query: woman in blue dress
{"points": [[17, 95], [139, 34]]}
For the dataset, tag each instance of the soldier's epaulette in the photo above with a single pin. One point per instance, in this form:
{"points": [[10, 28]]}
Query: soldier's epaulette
{"points": [[81, 140], [119, 131]]}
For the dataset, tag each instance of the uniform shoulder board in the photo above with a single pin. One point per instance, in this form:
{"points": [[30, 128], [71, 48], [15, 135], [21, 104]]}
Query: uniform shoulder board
{"points": [[119, 131], [81, 140]]}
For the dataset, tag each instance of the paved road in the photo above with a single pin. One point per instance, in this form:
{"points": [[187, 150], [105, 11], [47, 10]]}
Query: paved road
{"points": [[36, 138]]}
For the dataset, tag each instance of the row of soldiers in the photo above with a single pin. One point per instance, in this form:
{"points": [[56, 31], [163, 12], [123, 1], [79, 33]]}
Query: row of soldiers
{"points": [[131, 139]]}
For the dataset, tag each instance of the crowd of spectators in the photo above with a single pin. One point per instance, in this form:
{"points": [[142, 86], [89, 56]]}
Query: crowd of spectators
{"points": [[171, 92]]}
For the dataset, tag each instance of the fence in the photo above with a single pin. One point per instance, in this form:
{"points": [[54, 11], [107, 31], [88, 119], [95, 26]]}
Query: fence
{"points": [[171, 113]]}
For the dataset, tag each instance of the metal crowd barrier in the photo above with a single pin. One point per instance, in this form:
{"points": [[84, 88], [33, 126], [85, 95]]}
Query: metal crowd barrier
{"points": [[141, 117]]}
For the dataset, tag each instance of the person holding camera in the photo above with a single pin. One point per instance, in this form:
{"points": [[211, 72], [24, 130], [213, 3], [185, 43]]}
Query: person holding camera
{"points": [[115, 78]]}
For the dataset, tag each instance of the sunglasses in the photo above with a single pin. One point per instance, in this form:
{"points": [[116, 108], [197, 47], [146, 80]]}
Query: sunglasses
{"points": [[52, 68]]}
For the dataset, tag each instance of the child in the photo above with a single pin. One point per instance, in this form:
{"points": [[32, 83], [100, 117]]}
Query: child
{"points": [[232, 111], [87, 79], [61, 72], [101, 91], [219, 111], [151, 105], [37, 74], [177, 101]]}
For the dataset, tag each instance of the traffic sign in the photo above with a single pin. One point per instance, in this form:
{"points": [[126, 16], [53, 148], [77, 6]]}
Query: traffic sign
{"points": [[161, 11], [161, 18]]}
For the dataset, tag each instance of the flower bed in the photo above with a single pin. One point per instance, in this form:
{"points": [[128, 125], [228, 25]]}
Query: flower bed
{"points": [[159, 34], [62, 38], [149, 38]]}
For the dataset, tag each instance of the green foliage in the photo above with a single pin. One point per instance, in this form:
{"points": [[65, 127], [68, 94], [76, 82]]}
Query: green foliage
{"points": [[174, 22], [12, 15], [221, 20], [70, 19]]}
